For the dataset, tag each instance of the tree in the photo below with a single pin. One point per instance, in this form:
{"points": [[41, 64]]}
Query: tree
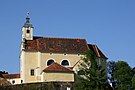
{"points": [[79, 83], [122, 75], [94, 76], [133, 82], [133, 71], [133, 78]]}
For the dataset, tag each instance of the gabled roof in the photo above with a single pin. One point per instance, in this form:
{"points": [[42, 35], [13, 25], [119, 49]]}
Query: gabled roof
{"points": [[97, 51], [47, 44], [55, 67], [61, 45], [11, 76]]}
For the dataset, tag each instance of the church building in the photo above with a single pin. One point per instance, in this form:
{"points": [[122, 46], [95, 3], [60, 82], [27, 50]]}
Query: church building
{"points": [[49, 59]]}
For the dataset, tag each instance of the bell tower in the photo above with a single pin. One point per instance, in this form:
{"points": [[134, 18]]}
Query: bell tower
{"points": [[27, 30], [27, 34]]}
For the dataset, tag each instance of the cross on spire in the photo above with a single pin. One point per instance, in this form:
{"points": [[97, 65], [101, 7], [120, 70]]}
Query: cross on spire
{"points": [[28, 14]]}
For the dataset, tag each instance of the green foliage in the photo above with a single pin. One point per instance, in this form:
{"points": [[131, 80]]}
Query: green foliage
{"points": [[133, 71], [79, 83], [37, 86], [133, 82], [94, 76], [120, 74]]}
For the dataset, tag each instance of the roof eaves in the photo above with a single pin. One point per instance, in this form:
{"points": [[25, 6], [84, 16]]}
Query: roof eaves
{"points": [[66, 69]]}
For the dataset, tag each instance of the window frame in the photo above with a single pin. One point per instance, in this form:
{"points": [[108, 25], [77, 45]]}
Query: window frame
{"points": [[48, 61], [67, 61], [32, 72]]}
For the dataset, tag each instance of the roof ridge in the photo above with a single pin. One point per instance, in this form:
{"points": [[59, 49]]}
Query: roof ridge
{"points": [[62, 66], [58, 65], [97, 51], [60, 37]]}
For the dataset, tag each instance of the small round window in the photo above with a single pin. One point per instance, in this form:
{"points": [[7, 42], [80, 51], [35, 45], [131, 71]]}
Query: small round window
{"points": [[65, 63], [50, 62]]}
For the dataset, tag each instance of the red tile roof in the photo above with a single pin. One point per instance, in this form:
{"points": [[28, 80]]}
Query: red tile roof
{"points": [[55, 67], [11, 76], [57, 45], [70, 68], [68, 45], [97, 51]]}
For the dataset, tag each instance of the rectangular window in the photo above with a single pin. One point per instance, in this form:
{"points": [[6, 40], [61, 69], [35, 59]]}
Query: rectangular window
{"points": [[32, 72]]}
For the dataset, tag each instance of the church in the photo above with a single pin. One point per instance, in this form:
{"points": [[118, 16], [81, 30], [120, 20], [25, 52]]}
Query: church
{"points": [[49, 59]]}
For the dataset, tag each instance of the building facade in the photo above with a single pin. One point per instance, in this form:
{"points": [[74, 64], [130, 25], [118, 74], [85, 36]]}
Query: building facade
{"points": [[49, 59]]}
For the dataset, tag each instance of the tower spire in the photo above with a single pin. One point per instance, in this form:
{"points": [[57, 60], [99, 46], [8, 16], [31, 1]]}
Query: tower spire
{"points": [[27, 23], [27, 29], [27, 18], [28, 14]]}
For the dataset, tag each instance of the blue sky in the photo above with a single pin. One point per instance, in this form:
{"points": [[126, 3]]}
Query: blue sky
{"points": [[108, 23]]}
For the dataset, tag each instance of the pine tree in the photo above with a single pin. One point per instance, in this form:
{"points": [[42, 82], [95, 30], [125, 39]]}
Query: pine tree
{"points": [[94, 75]]}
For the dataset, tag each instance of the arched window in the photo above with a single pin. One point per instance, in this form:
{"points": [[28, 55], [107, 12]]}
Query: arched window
{"points": [[50, 62], [28, 31], [13, 82], [65, 63]]}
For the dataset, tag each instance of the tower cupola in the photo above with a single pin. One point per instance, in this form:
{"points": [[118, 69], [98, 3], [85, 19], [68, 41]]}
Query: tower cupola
{"points": [[27, 30], [27, 23]]}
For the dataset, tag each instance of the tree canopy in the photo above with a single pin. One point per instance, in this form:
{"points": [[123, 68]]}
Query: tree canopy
{"points": [[94, 76], [120, 75], [133, 82]]}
